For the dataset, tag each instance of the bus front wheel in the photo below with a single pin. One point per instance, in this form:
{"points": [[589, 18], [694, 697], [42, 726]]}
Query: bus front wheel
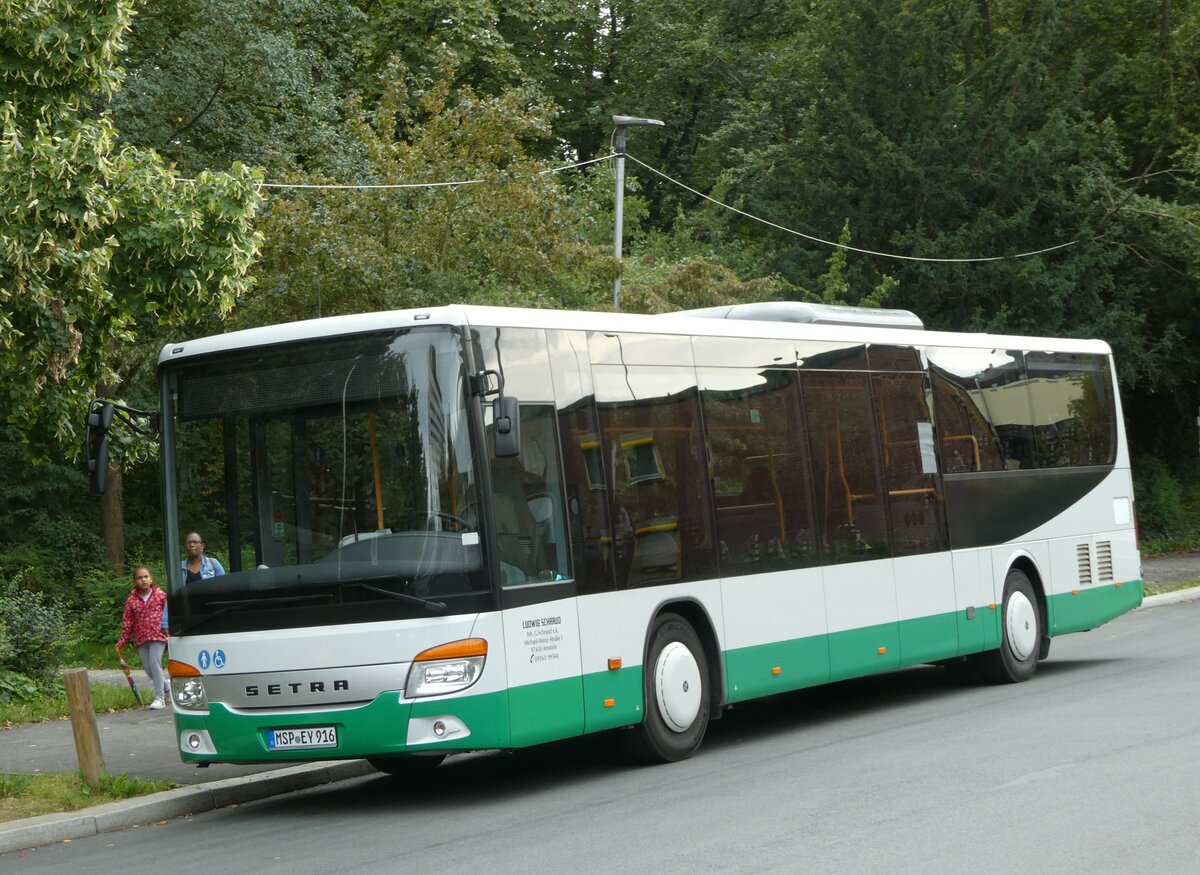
{"points": [[676, 693], [1021, 632]]}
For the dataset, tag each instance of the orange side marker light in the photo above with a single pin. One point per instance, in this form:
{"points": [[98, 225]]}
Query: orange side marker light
{"points": [[614, 663], [777, 670], [177, 669], [608, 703]]}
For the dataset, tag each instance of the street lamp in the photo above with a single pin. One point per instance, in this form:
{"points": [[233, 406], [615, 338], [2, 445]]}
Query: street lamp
{"points": [[622, 122]]}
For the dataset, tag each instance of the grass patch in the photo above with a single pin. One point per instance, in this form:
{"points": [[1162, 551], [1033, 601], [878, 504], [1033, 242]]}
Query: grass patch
{"points": [[96, 655], [1164, 546], [24, 796], [105, 698], [1160, 588]]}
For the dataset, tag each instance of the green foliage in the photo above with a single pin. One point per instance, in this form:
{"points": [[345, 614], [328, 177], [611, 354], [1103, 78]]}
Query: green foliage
{"points": [[688, 285], [1159, 499], [47, 520], [99, 240], [102, 597], [512, 237], [17, 687], [259, 82], [37, 628]]}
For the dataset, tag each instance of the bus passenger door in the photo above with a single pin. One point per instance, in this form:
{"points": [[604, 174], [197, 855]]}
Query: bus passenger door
{"points": [[537, 590], [541, 621], [541, 647]]}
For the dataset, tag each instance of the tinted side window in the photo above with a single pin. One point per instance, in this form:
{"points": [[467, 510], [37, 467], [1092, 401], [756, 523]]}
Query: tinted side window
{"points": [[847, 480], [527, 491], [530, 513], [1073, 410], [759, 470], [650, 427], [981, 402], [910, 464], [583, 462]]}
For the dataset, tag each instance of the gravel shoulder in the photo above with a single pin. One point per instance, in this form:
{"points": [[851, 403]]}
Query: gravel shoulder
{"points": [[1171, 570]]}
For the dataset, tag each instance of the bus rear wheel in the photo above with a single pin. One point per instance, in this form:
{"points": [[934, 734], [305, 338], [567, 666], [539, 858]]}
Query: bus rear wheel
{"points": [[676, 693], [1021, 632]]}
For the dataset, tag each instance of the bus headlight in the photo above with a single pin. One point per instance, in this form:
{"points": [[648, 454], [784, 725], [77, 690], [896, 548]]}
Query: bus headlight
{"points": [[447, 668], [187, 687], [189, 694]]}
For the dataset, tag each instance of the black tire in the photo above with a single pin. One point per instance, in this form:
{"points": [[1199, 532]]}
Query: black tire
{"points": [[410, 767], [1021, 630], [676, 712]]}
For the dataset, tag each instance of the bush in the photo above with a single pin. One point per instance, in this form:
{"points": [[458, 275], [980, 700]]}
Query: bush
{"points": [[1159, 494], [103, 594], [37, 628], [16, 687]]}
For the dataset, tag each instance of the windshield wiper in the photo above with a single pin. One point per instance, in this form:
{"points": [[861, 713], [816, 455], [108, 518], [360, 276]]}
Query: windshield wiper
{"points": [[225, 606], [427, 604]]}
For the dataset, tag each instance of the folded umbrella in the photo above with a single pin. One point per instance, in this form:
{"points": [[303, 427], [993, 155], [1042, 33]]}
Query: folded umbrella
{"points": [[132, 685]]}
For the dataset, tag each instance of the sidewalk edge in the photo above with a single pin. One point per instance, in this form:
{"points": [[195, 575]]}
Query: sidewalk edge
{"points": [[49, 829], [1173, 597]]}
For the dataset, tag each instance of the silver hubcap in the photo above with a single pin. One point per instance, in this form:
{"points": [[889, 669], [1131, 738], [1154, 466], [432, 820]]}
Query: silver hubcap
{"points": [[677, 686], [1020, 626]]}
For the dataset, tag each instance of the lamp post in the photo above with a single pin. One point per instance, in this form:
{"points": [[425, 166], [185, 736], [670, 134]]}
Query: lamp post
{"points": [[622, 122]]}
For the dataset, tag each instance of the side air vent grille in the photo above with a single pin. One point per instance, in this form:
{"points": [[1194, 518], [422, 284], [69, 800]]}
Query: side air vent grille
{"points": [[1104, 565], [1085, 564]]}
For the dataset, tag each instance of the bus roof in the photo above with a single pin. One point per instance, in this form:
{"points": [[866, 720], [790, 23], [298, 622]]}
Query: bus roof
{"points": [[664, 323]]}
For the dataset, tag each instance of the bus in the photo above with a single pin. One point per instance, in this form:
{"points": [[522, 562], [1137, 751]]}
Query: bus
{"points": [[464, 527]]}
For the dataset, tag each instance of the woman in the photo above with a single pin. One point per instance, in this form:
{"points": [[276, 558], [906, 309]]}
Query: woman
{"points": [[142, 624], [197, 566]]}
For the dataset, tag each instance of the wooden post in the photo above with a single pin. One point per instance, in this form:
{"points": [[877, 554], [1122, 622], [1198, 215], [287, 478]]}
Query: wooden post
{"points": [[83, 724]]}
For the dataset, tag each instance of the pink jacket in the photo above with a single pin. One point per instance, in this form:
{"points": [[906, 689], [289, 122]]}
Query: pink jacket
{"points": [[143, 619]]}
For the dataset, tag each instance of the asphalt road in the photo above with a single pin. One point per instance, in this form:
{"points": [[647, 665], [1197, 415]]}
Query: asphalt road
{"points": [[1091, 767]]}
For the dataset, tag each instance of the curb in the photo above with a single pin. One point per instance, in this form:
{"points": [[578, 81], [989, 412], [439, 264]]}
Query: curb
{"points": [[53, 828], [1170, 598]]}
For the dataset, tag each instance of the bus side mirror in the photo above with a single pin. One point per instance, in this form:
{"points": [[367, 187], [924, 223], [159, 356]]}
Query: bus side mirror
{"points": [[99, 421], [506, 420]]}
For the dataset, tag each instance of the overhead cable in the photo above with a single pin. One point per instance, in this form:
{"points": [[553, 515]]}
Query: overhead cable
{"points": [[837, 245], [400, 185]]}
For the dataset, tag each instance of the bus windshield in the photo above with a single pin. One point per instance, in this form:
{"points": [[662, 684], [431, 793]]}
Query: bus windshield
{"points": [[332, 482]]}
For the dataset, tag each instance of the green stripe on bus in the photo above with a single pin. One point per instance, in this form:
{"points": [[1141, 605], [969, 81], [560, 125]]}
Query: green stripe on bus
{"points": [[764, 669], [378, 728], [927, 639], [1087, 608], [622, 688], [546, 711], [751, 671]]}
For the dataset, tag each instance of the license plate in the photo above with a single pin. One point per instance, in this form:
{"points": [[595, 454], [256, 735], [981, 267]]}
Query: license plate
{"points": [[296, 739]]}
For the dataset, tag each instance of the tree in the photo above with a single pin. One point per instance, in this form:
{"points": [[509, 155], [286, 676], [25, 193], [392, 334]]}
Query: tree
{"points": [[514, 235], [944, 130], [102, 246], [213, 82]]}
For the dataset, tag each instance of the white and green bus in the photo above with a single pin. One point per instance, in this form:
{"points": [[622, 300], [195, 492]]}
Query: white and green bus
{"points": [[467, 528]]}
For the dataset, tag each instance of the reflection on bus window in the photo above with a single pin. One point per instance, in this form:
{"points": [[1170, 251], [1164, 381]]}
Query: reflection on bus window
{"points": [[530, 513], [760, 470]]}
